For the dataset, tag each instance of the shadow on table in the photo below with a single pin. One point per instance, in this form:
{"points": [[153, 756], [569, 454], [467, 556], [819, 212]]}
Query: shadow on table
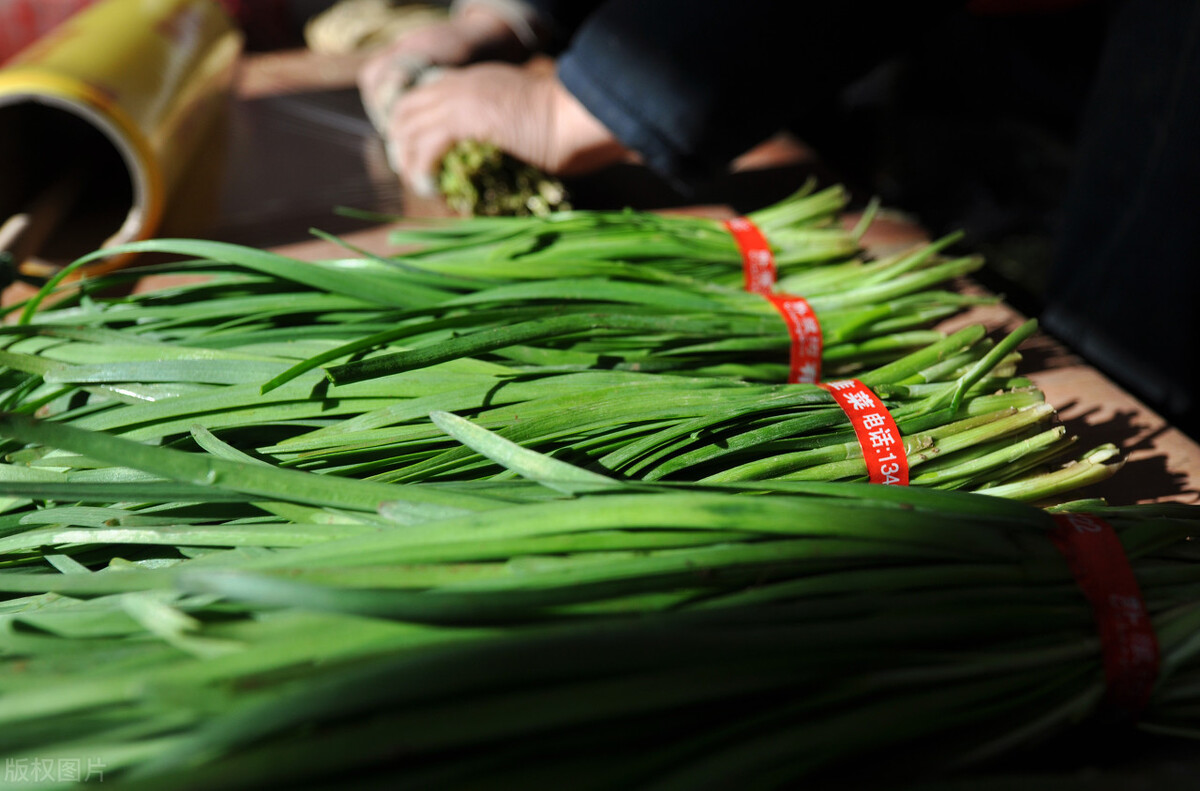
{"points": [[1140, 477], [1044, 353]]}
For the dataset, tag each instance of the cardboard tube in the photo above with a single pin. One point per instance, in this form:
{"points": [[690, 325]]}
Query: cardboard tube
{"points": [[125, 90]]}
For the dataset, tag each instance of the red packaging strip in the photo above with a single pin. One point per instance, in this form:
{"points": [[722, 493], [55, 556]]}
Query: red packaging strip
{"points": [[758, 262], [805, 332], [758, 270], [882, 445], [1127, 640]]}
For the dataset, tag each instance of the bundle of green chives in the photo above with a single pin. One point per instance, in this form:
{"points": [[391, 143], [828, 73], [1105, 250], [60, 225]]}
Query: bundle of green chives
{"points": [[960, 432], [637, 317], [479, 179], [642, 319], [965, 425], [802, 230], [595, 634], [196, 353], [622, 275]]}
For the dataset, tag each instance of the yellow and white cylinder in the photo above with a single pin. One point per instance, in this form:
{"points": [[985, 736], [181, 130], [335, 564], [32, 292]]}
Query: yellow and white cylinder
{"points": [[121, 95]]}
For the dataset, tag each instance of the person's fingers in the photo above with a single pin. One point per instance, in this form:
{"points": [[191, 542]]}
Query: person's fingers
{"points": [[526, 113], [420, 134], [370, 75], [380, 67], [383, 77], [493, 102], [424, 98], [451, 100], [381, 89], [427, 152]]}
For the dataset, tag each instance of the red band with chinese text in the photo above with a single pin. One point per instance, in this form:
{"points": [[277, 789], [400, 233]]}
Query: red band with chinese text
{"points": [[758, 270], [805, 333], [882, 445], [1127, 640], [758, 262]]}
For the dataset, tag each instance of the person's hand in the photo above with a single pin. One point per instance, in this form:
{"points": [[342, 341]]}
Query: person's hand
{"points": [[475, 34], [524, 111]]}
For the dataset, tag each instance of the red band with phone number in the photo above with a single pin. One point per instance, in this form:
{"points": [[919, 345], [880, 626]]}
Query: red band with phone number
{"points": [[1127, 640], [805, 333], [758, 262], [882, 445]]}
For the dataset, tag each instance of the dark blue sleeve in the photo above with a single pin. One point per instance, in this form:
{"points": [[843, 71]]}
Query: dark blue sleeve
{"points": [[563, 17], [691, 84]]}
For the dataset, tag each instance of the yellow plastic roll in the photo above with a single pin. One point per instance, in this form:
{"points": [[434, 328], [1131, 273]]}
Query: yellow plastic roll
{"points": [[114, 102]]}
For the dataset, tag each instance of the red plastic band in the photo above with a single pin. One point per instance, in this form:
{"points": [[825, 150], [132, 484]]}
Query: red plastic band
{"points": [[758, 262], [1102, 570], [758, 271], [882, 445], [805, 332]]}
